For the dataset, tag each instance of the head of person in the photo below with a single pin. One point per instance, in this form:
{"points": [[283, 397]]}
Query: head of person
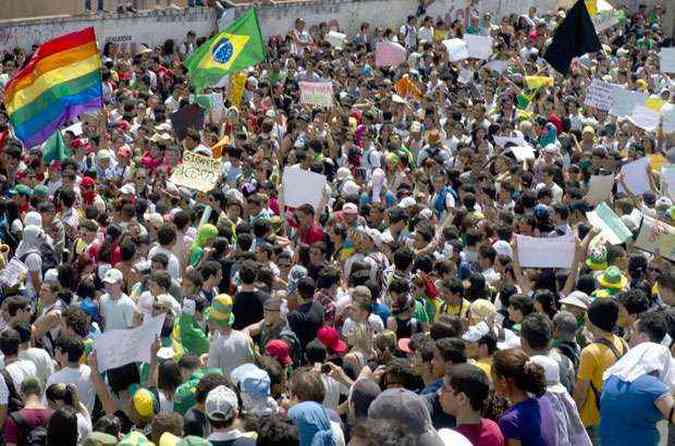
{"points": [[651, 327], [68, 350], [465, 390], [166, 422], [514, 374], [447, 353], [306, 385], [603, 315], [403, 407], [536, 333], [276, 430], [222, 408], [62, 427]]}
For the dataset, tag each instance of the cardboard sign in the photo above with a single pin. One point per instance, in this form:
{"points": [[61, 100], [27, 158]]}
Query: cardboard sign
{"points": [[190, 116], [625, 101], [600, 94], [656, 237], [302, 186], [389, 54], [336, 39], [318, 94], [457, 49], [545, 252], [116, 348], [197, 172], [600, 188], [667, 59], [645, 118], [635, 176], [13, 273], [479, 47]]}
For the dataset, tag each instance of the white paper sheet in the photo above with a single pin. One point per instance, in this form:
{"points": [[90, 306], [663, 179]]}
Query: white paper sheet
{"points": [[457, 49], [635, 176], [600, 188], [116, 348], [479, 47], [667, 60], [542, 252], [302, 186]]}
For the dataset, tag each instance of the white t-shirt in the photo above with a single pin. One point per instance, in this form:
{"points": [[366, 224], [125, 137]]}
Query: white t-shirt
{"points": [[117, 313], [33, 262], [20, 370], [333, 391], [81, 377], [374, 322], [42, 360], [174, 264], [453, 438]]}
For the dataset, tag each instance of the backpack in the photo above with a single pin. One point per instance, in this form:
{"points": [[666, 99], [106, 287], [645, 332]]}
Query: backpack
{"points": [[15, 402], [617, 355], [48, 255], [29, 435]]}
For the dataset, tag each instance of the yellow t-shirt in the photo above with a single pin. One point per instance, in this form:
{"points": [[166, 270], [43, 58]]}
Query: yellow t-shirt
{"points": [[484, 364], [459, 310], [595, 359]]}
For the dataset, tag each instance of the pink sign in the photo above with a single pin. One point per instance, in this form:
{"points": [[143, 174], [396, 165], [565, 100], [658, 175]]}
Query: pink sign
{"points": [[389, 54]]}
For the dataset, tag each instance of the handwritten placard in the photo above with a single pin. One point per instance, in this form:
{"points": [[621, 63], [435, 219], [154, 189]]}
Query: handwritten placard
{"points": [[549, 252], [115, 348], [457, 49], [479, 47], [318, 94], [197, 172], [625, 101], [389, 54], [600, 94], [302, 186], [667, 59], [656, 237], [645, 118], [13, 273]]}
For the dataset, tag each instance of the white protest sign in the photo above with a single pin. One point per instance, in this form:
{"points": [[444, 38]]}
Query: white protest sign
{"points": [[667, 59], [390, 54], [336, 39], [518, 140], [635, 176], [668, 179], [522, 153], [465, 76], [115, 348], [197, 172], [600, 94], [613, 229], [497, 65], [625, 101], [302, 186], [541, 252], [319, 94], [600, 188], [656, 236], [457, 49], [13, 273], [668, 116], [479, 47], [645, 118]]}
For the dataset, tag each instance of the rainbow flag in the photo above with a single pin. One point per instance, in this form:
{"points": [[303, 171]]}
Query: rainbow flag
{"points": [[61, 80]]}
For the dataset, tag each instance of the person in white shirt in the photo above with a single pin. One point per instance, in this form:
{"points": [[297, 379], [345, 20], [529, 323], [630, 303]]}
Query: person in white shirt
{"points": [[15, 369], [117, 308], [361, 325], [166, 239], [229, 348], [38, 356], [69, 351]]}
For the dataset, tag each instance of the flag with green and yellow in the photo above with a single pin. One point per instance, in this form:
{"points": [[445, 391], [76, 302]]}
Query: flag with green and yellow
{"points": [[238, 46]]}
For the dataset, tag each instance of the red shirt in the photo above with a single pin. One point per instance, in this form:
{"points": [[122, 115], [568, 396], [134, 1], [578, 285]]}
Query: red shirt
{"points": [[487, 433], [32, 417], [310, 235]]}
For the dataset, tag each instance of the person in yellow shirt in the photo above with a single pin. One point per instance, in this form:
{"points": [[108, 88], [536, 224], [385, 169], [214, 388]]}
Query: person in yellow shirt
{"points": [[452, 297], [597, 357], [481, 343]]}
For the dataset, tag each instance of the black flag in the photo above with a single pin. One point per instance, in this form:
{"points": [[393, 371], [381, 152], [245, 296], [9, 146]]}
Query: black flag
{"points": [[574, 37]]}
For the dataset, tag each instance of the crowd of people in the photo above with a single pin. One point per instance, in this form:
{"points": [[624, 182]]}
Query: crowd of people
{"points": [[394, 313]]}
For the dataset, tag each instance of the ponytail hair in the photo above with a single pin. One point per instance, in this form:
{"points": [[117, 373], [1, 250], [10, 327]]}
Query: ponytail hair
{"points": [[71, 396], [526, 375]]}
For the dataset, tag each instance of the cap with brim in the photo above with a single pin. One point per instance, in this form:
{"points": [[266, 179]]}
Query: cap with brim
{"points": [[613, 278], [221, 404], [220, 311], [41, 191], [22, 189], [329, 337], [577, 299]]}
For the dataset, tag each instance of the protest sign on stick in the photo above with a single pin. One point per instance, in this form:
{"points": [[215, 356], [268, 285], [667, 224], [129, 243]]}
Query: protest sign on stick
{"points": [[302, 186], [197, 172], [667, 59], [479, 47], [656, 237], [318, 94]]}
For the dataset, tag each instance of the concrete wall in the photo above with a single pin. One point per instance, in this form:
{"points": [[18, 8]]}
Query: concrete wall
{"points": [[154, 27]]}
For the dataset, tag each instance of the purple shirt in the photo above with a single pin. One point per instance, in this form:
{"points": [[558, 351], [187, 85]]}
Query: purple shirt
{"points": [[530, 421]]}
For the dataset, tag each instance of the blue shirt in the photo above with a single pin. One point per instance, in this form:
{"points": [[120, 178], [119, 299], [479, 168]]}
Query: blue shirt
{"points": [[530, 421], [628, 415]]}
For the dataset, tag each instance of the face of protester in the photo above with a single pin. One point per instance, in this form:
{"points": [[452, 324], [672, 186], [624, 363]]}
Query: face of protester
{"points": [[515, 314], [114, 289]]}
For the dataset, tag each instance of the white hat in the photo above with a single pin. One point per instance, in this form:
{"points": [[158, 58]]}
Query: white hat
{"points": [[503, 248], [415, 127], [343, 173], [113, 275], [407, 202], [221, 404], [33, 218], [398, 99], [350, 208], [577, 299], [104, 155], [374, 235], [350, 188], [551, 373], [51, 276], [128, 189]]}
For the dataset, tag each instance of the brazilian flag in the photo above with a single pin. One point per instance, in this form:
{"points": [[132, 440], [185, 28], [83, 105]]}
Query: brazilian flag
{"points": [[237, 47]]}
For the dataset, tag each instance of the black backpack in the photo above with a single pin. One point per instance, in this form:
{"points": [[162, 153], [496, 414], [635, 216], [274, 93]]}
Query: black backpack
{"points": [[48, 255], [15, 402], [29, 435]]}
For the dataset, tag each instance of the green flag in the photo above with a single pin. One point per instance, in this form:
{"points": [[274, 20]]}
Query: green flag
{"points": [[54, 149], [239, 46]]}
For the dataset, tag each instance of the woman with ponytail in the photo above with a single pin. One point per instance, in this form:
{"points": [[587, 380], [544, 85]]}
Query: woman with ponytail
{"points": [[61, 395], [529, 420]]}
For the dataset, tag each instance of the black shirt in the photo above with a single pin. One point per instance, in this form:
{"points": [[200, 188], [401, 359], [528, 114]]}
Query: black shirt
{"points": [[305, 321], [248, 308], [195, 423]]}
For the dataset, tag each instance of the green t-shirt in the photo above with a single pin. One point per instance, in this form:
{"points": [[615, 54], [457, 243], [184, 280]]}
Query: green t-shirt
{"points": [[184, 398]]}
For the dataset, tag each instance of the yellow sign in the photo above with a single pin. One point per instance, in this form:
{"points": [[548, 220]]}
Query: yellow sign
{"points": [[197, 172], [237, 84]]}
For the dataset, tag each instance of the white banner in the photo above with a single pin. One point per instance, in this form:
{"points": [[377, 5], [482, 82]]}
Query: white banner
{"points": [[116, 348]]}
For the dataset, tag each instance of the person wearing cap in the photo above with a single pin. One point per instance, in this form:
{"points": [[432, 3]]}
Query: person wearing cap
{"points": [[222, 411], [254, 387], [481, 344], [273, 326], [117, 309], [229, 348], [361, 323]]}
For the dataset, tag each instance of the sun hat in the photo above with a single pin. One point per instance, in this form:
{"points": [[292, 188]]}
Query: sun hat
{"points": [[329, 337], [577, 299], [220, 311], [612, 278], [597, 260]]}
